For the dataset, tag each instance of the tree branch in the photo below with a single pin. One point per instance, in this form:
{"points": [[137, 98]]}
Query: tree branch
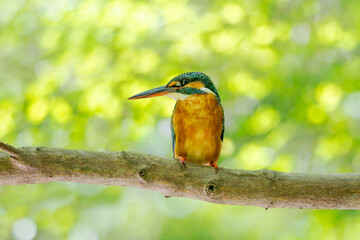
{"points": [[263, 188]]}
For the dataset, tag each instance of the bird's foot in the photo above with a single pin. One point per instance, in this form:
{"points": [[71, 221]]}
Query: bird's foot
{"points": [[214, 165], [182, 159]]}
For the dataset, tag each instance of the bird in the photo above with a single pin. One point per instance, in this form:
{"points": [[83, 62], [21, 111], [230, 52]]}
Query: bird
{"points": [[197, 122]]}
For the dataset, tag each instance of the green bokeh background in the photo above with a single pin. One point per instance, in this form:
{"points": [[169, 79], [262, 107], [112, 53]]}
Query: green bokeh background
{"points": [[288, 73]]}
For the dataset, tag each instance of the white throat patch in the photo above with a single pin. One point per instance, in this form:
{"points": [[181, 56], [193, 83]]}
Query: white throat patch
{"points": [[177, 96]]}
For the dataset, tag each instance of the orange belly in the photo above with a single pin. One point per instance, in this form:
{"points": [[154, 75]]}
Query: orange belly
{"points": [[198, 123]]}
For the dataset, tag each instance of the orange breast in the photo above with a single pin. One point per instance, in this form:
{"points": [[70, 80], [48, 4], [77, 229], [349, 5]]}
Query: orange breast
{"points": [[197, 123]]}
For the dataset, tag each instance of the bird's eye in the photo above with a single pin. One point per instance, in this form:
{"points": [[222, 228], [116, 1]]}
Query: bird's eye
{"points": [[183, 82]]}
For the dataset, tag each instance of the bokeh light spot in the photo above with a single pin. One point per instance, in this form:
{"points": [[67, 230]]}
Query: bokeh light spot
{"points": [[38, 110], [232, 13], [100, 100], [263, 35], [143, 18], [114, 13], [61, 111], [328, 96], [329, 32], [175, 11], [24, 229], [263, 120], [225, 41], [300, 33], [352, 105], [315, 114]]}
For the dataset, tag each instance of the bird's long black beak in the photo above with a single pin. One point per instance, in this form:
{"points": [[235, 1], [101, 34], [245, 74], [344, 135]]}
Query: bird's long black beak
{"points": [[160, 91]]}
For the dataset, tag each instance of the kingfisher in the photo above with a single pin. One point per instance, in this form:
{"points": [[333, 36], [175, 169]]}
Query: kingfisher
{"points": [[197, 122]]}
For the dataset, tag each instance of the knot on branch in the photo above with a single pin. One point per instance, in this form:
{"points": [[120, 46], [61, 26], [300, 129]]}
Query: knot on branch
{"points": [[142, 174], [39, 149], [213, 188]]}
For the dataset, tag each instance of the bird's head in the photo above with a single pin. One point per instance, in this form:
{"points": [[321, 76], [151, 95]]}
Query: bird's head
{"points": [[182, 86]]}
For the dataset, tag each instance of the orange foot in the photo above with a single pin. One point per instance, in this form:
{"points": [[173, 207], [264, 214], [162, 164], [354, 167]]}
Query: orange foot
{"points": [[213, 164], [182, 159]]}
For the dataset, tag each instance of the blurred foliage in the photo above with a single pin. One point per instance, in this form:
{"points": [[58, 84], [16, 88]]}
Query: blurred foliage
{"points": [[288, 73]]}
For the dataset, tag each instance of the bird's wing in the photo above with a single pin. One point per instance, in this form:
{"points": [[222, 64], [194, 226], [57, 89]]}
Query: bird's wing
{"points": [[222, 133], [223, 126], [173, 137]]}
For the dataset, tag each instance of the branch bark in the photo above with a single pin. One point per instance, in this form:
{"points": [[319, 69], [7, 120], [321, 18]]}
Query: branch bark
{"points": [[262, 188]]}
